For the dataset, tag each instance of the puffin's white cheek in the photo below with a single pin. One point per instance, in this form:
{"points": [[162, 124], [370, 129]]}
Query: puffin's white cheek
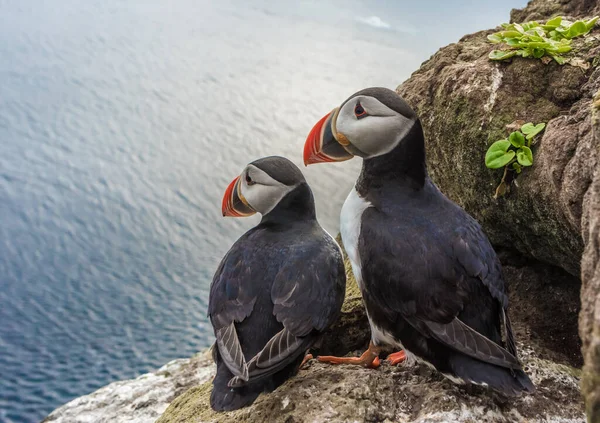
{"points": [[261, 198], [380, 135], [249, 193], [367, 134]]}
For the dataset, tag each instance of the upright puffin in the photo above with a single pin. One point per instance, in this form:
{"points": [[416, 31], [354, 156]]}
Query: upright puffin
{"points": [[431, 282], [278, 288]]}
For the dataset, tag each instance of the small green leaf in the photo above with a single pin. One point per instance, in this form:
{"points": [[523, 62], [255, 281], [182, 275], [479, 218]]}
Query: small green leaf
{"points": [[510, 34], [553, 23], [513, 42], [518, 28], [535, 44], [531, 131], [517, 139], [538, 53], [494, 38], [525, 156], [537, 35], [502, 54], [527, 128], [562, 48], [577, 29], [498, 154], [591, 23], [558, 59], [517, 167]]}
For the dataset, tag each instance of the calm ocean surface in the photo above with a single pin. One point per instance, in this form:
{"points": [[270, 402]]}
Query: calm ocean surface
{"points": [[121, 123]]}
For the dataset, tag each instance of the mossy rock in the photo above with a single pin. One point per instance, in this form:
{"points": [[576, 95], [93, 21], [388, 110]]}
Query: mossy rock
{"points": [[465, 102]]}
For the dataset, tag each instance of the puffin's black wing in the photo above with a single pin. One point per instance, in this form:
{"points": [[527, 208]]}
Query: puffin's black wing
{"points": [[280, 351], [231, 300], [431, 301], [307, 294], [474, 252], [461, 337]]}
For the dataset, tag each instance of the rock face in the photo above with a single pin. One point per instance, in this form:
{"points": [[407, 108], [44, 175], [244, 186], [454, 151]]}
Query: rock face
{"points": [[465, 102], [551, 213], [543, 9], [590, 298]]}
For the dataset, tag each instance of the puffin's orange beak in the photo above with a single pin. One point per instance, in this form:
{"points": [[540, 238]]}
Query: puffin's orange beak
{"points": [[234, 204], [321, 145]]}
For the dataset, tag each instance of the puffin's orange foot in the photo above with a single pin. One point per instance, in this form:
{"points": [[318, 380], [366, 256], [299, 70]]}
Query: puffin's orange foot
{"points": [[368, 359], [396, 358], [306, 358], [372, 364]]}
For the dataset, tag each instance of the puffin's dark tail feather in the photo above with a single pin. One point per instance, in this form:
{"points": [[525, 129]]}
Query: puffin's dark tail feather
{"points": [[224, 398], [510, 382], [525, 382]]}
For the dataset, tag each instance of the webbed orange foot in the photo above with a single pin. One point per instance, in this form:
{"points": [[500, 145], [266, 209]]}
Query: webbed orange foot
{"points": [[396, 358], [306, 358], [368, 359]]}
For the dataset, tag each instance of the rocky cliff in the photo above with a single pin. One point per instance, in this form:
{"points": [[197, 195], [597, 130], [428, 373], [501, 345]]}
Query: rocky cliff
{"points": [[542, 228], [589, 322], [550, 217]]}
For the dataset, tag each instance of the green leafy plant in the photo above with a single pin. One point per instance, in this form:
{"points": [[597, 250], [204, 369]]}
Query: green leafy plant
{"points": [[532, 39], [513, 153]]}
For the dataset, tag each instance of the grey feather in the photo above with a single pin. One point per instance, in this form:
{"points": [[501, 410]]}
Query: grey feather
{"points": [[231, 351], [464, 339], [278, 352]]}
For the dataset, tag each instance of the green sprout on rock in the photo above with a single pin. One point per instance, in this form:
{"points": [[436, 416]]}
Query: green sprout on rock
{"points": [[535, 40], [513, 153]]}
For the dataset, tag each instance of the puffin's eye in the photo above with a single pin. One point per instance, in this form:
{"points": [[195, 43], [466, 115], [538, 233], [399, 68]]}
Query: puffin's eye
{"points": [[359, 111], [249, 180]]}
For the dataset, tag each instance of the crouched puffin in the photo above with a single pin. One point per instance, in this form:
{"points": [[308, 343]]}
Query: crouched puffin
{"points": [[276, 290], [431, 282]]}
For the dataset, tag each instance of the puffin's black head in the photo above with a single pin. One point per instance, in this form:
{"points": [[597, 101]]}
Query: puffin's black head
{"points": [[370, 123], [261, 186]]}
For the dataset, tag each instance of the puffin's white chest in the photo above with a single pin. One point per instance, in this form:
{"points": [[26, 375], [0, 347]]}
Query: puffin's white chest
{"points": [[350, 224]]}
